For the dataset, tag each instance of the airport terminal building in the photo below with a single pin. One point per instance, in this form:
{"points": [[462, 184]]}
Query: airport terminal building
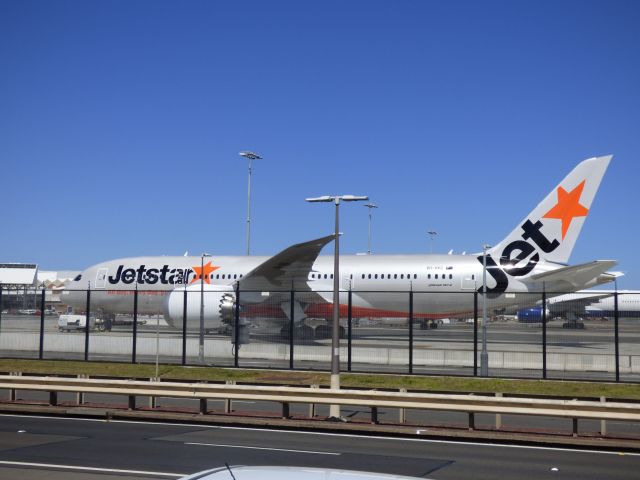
{"points": [[22, 284]]}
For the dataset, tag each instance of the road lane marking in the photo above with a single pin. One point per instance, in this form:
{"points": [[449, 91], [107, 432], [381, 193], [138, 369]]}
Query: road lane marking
{"points": [[347, 435], [261, 448], [88, 469]]}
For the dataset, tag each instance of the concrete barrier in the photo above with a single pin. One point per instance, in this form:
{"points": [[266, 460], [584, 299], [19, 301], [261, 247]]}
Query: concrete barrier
{"points": [[220, 348]]}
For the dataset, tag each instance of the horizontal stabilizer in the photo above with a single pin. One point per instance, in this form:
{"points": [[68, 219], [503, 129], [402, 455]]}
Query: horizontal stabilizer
{"points": [[573, 277]]}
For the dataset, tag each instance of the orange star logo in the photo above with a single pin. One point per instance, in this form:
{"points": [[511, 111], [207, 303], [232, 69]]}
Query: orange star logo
{"points": [[568, 207], [205, 270]]}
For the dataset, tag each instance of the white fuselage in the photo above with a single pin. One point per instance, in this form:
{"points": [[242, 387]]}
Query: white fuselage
{"points": [[442, 285]]}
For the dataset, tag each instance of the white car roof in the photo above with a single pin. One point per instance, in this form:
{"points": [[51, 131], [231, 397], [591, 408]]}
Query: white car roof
{"points": [[290, 473]]}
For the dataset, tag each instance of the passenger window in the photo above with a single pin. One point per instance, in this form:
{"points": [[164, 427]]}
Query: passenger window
{"points": [[415, 276], [375, 276], [369, 276], [436, 276], [395, 275], [450, 276]]}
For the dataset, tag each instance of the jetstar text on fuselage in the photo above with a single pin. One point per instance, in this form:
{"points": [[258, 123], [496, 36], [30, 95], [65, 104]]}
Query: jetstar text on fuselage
{"points": [[151, 276]]}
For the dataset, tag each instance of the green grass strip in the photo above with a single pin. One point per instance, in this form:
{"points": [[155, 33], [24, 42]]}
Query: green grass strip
{"points": [[288, 377]]}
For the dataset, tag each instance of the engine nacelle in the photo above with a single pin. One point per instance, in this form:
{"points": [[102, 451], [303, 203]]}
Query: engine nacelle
{"points": [[218, 300], [531, 315]]}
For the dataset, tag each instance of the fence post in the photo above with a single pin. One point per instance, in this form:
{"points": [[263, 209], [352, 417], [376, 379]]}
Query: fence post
{"points": [[544, 334], [498, 415], [349, 329], [135, 325], [13, 393], [292, 312], [603, 423], [80, 395], [411, 332], [312, 406], [475, 334], [41, 348], [374, 415], [87, 325], [153, 403], [617, 333], [402, 417], [0, 306], [228, 405], [184, 327], [236, 353]]}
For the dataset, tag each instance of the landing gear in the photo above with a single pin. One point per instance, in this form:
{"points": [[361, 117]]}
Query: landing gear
{"points": [[426, 324], [573, 321], [323, 331], [303, 332], [573, 324]]}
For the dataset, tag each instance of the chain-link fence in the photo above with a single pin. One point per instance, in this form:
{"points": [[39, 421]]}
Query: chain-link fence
{"points": [[526, 335]]}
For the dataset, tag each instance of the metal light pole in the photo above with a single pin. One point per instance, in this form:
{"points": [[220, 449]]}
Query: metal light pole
{"points": [[334, 411], [484, 355], [201, 336], [370, 206], [432, 235], [251, 157]]}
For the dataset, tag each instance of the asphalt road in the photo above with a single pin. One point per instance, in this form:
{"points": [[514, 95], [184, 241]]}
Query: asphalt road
{"points": [[53, 448]]}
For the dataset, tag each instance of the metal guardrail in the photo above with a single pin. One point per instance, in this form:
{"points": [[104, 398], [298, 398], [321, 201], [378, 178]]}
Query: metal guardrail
{"points": [[469, 403]]}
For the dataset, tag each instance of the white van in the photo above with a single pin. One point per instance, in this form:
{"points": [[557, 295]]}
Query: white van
{"points": [[70, 322]]}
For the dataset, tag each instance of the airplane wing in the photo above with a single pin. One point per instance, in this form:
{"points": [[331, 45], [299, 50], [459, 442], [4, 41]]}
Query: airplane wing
{"points": [[288, 270], [575, 302], [568, 279]]}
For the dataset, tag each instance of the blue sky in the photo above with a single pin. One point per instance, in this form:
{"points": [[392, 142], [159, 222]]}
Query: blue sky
{"points": [[121, 123]]}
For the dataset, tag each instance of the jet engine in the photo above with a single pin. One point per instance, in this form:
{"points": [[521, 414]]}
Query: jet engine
{"points": [[532, 315], [219, 306]]}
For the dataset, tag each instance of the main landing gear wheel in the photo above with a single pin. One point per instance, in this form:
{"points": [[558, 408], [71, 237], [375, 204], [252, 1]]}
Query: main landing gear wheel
{"points": [[323, 331], [326, 331], [305, 332]]}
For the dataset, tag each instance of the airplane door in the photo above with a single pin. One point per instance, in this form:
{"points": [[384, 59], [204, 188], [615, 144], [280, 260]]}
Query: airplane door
{"points": [[101, 278], [469, 282], [347, 283]]}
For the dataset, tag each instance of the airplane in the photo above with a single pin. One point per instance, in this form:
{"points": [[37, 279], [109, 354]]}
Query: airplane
{"points": [[532, 258], [577, 306]]}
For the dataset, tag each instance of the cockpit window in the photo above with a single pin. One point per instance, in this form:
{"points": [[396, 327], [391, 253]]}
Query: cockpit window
{"points": [[78, 278]]}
